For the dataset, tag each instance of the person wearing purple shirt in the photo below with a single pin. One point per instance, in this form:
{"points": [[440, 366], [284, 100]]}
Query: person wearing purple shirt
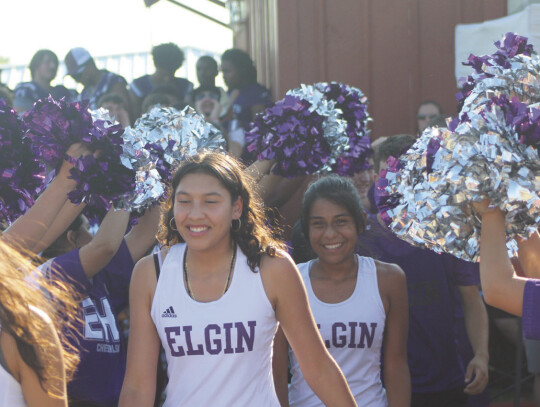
{"points": [[502, 288], [100, 268], [438, 374], [247, 98], [434, 361]]}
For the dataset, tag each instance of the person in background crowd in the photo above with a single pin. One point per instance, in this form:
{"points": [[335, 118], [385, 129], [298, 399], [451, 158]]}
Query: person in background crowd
{"points": [[217, 317], [364, 181], [168, 58], [207, 103], [438, 375], [359, 305], [247, 98], [207, 70], [81, 66], [34, 363], [6, 94], [165, 96], [117, 107], [43, 68], [427, 110]]}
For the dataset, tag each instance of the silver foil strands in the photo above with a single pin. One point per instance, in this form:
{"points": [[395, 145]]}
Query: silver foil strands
{"points": [[481, 158], [159, 140], [334, 127]]}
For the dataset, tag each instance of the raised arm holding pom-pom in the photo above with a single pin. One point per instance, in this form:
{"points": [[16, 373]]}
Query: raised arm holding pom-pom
{"points": [[28, 230], [501, 287]]}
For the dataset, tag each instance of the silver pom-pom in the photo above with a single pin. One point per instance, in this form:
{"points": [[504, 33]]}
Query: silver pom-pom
{"points": [[157, 143], [481, 158]]}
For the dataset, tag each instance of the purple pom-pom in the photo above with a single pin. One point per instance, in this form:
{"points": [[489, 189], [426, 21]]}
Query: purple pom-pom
{"points": [[101, 181], [21, 175], [54, 125], [105, 180]]}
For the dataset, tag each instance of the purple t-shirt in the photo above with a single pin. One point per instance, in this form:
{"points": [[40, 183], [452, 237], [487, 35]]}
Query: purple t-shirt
{"points": [[434, 360], [102, 349], [531, 310], [249, 96]]}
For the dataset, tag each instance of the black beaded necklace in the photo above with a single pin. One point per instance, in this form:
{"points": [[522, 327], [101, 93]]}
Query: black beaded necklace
{"points": [[190, 291]]}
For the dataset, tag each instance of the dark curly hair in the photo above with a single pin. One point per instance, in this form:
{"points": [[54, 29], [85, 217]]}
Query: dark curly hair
{"points": [[242, 62], [168, 56], [254, 236], [339, 190]]}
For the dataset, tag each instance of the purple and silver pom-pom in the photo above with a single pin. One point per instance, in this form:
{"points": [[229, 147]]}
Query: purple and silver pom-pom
{"points": [[492, 154], [353, 104], [387, 199], [21, 174], [158, 142], [303, 132]]}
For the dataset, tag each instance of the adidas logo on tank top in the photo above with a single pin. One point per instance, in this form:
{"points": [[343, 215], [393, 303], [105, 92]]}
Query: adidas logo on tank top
{"points": [[169, 313]]}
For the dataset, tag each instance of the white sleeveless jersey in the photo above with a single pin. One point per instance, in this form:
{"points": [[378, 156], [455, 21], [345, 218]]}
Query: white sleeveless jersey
{"points": [[219, 353], [11, 394], [352, 331]]}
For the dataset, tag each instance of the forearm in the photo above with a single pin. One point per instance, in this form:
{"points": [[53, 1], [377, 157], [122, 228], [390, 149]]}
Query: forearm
{"points": [[330, 385], [397, 380], [30, 228], [65, 217], [501, 289], [112, 229], [135, 397], [143, 235], [477, 325], [529, 255]]}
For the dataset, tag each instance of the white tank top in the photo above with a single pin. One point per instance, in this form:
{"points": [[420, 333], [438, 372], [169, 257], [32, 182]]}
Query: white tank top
{"points": [[353, 333], [11, 394], [219, 353]]}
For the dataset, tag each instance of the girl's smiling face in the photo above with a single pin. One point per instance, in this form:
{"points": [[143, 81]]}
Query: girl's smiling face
{"points": [[332, 231], [204, 211]]}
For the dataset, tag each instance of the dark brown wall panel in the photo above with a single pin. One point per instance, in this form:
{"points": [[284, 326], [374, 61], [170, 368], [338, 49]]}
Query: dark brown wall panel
{"points": [[398, 52]]}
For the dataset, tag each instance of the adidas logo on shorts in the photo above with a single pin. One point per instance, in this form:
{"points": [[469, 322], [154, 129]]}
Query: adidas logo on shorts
{"points": [[169, 313]]}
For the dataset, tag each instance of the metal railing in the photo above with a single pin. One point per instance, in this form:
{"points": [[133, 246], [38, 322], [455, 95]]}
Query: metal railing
{"points": [[129, 65]]}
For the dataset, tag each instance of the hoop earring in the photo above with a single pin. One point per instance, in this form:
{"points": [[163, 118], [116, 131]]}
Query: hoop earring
{"points": [[239, 225], [171, 225]]}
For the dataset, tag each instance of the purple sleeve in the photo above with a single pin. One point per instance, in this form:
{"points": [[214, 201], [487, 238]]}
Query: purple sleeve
{"points": [[531, 310], [68, 268], [462, 272]]}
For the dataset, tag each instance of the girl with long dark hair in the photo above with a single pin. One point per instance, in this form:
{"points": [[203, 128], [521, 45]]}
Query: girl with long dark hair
{"points": [[215, 301]]}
